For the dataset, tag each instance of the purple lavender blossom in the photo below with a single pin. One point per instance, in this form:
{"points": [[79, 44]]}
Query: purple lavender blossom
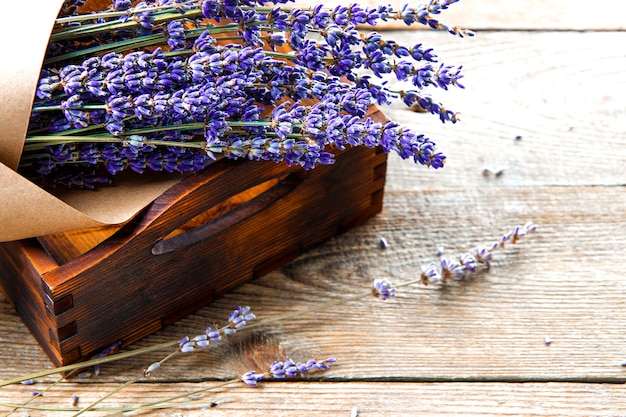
{"points": [[287, 369], [152, 368], [176, 38], [69, 7], [186, 345], [122, 5], [252, 378], [383, 289], [430, 274], [468, 263], [241, 100], [451, 269], [236, 321]]}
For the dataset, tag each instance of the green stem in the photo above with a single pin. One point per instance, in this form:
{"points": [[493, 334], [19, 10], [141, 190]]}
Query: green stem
{"points": [[59, 107], [181, 127], [40, 142], [143, 42], [194, 126], [115, 410], [36, 142], [164, 345], [246, 328], [101, 15], [79, 130], [173, 343], [94, 29], [121, 387], [139, 42], [54, 139]]}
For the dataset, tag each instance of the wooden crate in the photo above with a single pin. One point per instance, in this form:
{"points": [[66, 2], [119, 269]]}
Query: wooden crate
{"points": [[79, 292]]}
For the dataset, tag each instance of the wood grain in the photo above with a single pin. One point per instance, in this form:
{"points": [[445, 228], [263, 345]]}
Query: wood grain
{"points": [[563, 283], [564, 94], [560, 283], [370, 399]]}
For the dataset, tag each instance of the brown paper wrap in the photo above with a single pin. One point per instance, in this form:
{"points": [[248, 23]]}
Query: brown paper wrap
{"points": [[26, 210]]}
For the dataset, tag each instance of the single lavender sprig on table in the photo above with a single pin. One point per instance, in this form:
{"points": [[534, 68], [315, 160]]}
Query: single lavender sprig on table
{"points": [[237, 320], [462, 266], [286, 369], [468, 263]]}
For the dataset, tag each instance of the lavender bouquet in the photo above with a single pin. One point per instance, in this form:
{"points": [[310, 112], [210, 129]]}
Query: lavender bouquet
{"points": [[173, 85]]}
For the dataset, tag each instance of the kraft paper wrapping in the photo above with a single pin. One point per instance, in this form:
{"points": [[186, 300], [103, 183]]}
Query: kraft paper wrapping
{"points": [[27, 210]]}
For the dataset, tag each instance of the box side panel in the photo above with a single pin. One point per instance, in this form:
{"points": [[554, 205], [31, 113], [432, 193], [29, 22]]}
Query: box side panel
{"points": [[21, 282]]}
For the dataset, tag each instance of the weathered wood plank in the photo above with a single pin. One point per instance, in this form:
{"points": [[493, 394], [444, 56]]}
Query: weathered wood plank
{"points": [[517, 15], [369, 399], [565, 282], [563, 93]]}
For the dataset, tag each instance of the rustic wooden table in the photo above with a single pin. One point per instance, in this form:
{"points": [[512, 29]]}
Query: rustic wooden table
{"points": [[550, 72]]}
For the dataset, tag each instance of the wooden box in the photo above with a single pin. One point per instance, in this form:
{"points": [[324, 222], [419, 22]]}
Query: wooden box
{"points": [[79, 292]]}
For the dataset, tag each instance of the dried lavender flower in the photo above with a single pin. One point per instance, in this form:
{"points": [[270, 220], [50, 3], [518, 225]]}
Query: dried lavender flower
{"points": [[95, 370], [150, 369], [287, 369], [383, 289], [430, 274], [186, 345], [237, 320], [252, 378], [28, 382], [468, 263]]}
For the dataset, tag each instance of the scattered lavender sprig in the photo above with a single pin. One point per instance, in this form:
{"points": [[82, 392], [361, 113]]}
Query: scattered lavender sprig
{"points": [[277, 370], [111, 99], [286, 369], [237, 320], [459, 267], [383, 289], [462, 266]]}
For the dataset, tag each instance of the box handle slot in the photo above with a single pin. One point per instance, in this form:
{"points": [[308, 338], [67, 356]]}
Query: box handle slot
{"points": [[245, 210]]}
